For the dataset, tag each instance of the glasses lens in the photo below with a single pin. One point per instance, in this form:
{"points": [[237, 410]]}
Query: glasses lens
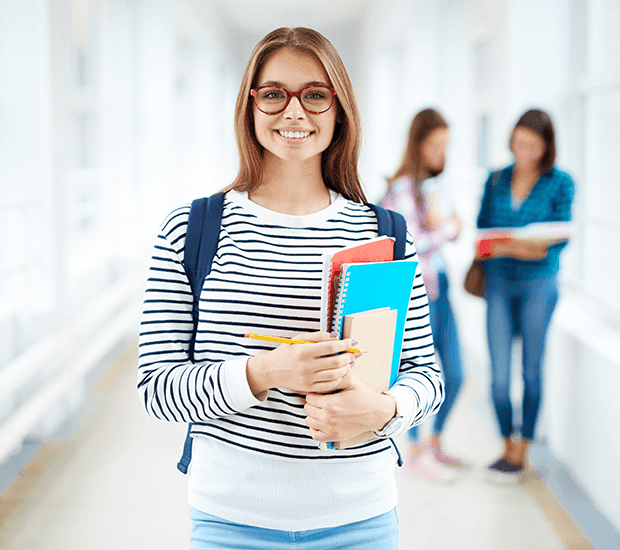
{"points": [[316, 98], [271, 100]]}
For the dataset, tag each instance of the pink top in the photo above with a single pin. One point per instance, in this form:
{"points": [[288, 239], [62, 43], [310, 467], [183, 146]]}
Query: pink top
{"points": [[400, 197]]}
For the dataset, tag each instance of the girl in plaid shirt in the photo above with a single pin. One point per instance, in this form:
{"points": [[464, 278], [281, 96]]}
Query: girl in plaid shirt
{"points": [[413, 193]]}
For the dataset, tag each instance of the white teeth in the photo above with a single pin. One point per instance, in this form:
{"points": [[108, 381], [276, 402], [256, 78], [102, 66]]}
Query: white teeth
{"points": [[294, 135]]}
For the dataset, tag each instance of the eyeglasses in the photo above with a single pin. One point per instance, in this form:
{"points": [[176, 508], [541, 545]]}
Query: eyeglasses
{"points": [[314, 99]]}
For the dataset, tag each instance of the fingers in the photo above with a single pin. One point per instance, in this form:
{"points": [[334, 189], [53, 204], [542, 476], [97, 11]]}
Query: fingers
{"points": [[320, 390], [311, 410], [348, 381], [318, 435], [335, 361], [319, 336], [324, 388], [332, 374], [315, 367], [325, 423], [317, 402], [318, 426], [326, 355], [326, 343], [330, 349], [333, 347], [329, 378]]}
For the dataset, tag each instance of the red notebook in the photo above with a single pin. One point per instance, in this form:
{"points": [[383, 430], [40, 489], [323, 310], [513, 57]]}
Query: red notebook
{"points": [[543, 232], [379, 249]]}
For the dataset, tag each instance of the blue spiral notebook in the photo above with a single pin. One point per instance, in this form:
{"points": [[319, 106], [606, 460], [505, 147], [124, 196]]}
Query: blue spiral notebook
{"points": [[376, 285]]}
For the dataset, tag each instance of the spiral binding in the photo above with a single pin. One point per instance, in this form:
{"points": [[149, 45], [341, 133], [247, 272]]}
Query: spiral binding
{"points": [[340, 304], [328, 298]]}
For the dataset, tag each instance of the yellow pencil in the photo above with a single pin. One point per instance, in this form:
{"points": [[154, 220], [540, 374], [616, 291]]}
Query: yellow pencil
{"points": [[290, 341]]}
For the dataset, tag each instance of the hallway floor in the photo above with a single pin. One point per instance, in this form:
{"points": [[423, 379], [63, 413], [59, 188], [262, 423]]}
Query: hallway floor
{"points": [[113, 484]]}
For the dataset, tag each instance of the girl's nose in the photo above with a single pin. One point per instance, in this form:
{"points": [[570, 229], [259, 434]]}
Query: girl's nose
{"points": [[294, 109]]}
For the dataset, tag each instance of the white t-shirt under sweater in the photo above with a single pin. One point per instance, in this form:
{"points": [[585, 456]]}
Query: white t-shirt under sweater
{"points": [[253, 461]]}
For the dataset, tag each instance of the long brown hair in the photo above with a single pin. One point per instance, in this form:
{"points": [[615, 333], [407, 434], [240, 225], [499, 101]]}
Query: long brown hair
{"points": [[339, 160], [540, 122], [422, 125]]}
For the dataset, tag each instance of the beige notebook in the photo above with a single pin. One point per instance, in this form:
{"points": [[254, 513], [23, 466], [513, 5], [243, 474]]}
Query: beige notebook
{"points": [[374, 330]]}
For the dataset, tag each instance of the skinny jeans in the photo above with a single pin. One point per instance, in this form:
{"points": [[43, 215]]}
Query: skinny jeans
{"points": [[513, 307], [446, 340]]}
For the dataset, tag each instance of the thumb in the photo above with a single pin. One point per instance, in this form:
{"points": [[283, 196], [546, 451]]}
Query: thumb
{"points": [[347, 382]]}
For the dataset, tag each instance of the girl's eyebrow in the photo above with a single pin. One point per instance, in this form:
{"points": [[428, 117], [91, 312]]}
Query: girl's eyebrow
{"points": [[281, 85]]}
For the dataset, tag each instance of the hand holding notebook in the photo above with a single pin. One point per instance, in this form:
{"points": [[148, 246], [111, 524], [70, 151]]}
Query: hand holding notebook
{"points": [[368, 286], [376, 330], [384, 287], [542, 233]]}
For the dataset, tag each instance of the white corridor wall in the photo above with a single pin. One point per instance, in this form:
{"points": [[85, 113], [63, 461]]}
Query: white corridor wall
{"points": [[112, 113]]}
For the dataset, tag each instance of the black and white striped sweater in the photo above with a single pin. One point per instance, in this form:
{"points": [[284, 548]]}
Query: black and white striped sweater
{"points": [[265, 277]]}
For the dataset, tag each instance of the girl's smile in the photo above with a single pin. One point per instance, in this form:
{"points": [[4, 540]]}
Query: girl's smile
{"points": [[294, 135]]}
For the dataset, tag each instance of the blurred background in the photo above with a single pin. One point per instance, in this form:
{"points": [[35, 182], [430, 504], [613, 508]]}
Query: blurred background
{"points": [[113, 112]]}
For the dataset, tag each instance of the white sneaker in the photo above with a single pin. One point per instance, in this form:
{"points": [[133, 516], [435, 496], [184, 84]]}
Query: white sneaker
{"points": [[426, 466]]}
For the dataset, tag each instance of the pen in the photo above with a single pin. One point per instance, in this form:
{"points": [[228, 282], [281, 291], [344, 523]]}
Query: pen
{"points": [[290, 341]]}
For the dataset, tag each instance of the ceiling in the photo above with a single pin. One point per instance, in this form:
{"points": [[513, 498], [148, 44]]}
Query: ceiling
{"points": [[262, 16], [341, 21]]}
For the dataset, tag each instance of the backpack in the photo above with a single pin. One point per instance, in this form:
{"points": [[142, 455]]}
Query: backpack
{"points": [[203, 230]]}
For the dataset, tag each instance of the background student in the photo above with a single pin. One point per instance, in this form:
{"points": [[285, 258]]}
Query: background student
{"points": [[521, 278], [257, 476], [413, 193]]}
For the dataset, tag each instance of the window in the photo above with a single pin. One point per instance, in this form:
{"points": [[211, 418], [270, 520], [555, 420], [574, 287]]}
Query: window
{"points": [[594, 260], [82, 93]]}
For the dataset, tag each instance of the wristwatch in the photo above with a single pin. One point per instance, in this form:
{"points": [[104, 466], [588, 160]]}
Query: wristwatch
{"points": [[394, 424]]}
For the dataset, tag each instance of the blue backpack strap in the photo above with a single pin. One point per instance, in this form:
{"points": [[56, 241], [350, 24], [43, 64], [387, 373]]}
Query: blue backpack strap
{"points": [[203, 231], [392, 224]]}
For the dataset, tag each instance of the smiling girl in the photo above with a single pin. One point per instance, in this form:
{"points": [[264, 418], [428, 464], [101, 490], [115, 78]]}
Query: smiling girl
{"points": [[258, 478]]}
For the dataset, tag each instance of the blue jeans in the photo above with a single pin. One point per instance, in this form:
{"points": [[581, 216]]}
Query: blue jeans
{"points": [[523, 306], [212, 533], [446, 339]]}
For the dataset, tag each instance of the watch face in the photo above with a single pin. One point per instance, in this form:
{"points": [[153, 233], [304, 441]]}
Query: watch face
{"points": [[398, 420], [391, 427]]}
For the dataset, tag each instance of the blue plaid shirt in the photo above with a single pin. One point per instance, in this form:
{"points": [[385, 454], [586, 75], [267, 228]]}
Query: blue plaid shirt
{"points": [[549, 200]]}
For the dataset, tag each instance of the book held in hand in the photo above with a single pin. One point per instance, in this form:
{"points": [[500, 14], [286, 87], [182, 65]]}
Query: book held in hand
{"points": [[546, 233], [368, 286], [375, 331]]}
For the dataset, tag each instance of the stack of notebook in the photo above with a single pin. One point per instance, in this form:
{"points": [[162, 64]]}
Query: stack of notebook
{"points": [[371, 302], [380, 249]]}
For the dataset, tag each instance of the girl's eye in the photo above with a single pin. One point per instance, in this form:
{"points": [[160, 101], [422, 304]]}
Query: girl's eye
{"points": [[314, 95], [273, 94]]}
